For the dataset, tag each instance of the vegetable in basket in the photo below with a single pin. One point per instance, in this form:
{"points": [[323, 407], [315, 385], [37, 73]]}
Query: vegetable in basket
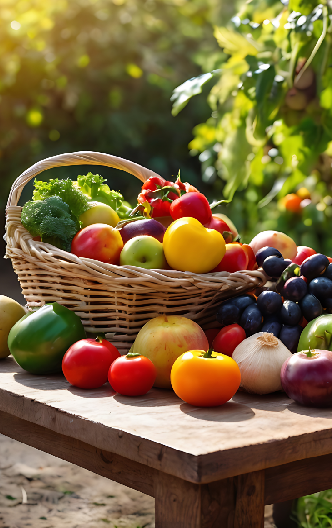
{"points": [[40, 339], [52, 220], [64, 189], [94, 186]]}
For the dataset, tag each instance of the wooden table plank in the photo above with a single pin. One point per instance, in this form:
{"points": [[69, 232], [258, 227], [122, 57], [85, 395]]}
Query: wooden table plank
{"points": [[250, 433]]}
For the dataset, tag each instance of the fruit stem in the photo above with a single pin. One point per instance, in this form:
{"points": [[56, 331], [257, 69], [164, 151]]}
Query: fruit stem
{"points": [[133, 354], [208, 354], [100, 337]]}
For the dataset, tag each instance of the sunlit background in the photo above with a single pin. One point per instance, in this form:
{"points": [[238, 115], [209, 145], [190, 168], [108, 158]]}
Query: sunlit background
{"points": [[100, 75]]}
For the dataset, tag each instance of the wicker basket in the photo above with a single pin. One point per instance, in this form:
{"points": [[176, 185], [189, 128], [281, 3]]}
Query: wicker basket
{"points": [[116, 300]]}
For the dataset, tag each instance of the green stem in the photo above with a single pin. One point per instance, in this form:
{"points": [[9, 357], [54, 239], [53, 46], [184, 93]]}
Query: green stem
{"points": [[208, 354], [316, 48]]}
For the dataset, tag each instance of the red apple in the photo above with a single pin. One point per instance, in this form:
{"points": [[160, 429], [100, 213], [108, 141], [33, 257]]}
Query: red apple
{"points": [[235, 259], [219, 225], [303, 252], [148, 227], [228, 222]]}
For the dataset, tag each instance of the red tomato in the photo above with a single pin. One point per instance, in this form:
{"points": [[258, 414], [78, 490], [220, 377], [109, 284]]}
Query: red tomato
{"points": [[99, 242], [252, 264], [132, 375], [303, 252], [330, 259], [219, 225], [160, 208], [192, 204], [87, 362], [235, 259], [228, 339], [211, 334]]}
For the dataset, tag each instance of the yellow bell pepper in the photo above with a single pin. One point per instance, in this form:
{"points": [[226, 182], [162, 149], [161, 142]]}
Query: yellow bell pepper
{"points": [[189, 246]]}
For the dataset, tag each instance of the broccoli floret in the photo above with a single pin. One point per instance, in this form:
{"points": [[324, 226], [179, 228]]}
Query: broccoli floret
{"points": [[51, 219], [66, 190]]}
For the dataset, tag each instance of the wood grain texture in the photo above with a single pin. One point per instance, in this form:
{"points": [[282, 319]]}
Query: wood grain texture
{"points": [[178, 503], [249, 507], [160, 431], [303, 477], [102, 463]]}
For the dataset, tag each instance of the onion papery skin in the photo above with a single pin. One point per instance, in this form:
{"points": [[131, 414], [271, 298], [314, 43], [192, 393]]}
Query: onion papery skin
{"points": [[308, 380]]}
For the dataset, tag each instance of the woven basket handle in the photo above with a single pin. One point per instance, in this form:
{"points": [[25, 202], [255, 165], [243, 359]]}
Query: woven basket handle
{"points": [[76, 158]]}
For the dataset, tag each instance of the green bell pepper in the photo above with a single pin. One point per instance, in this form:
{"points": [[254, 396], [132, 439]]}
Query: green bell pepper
{"points": [[317, 334], [40, 339]]}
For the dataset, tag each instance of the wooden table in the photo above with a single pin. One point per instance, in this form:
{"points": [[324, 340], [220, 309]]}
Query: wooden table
{"points": [[206, 468]]}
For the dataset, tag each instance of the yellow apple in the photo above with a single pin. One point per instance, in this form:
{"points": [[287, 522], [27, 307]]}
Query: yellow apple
{"points": [[163, 339], [99, 213]]}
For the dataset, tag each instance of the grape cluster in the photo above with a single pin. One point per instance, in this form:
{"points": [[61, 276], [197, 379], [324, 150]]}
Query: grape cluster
{"points": [[304, 293]]}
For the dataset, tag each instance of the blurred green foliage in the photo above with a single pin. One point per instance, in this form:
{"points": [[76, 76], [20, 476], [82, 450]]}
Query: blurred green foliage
{"points": [[98, 75], [270, 130]]}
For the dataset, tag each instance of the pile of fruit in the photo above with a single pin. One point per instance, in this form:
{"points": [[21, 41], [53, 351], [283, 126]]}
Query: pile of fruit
{"points": [[276, 338], [162, 232]]}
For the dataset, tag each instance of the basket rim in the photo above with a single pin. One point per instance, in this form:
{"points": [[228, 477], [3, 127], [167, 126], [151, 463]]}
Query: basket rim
{"points": [[41, 250]]}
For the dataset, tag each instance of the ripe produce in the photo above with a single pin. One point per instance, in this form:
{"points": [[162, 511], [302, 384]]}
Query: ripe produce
{"points": [[147, 227], [99, 242], [252, 264], [277, 240], [40, 339], [271, 326], [51, 220], [251, 320], [292, 202], [143, 251], [314, 266], [321, 287], [228, 339], [132, 375], [86, 362], [306, 377], [235, 259], [220, 225], [194, 205], [290, 313], [311, 307], [189, 246], [274, 266], [99, 213], [260, 358], [10, 312], [211, 334], [290, 335], [265, 252], [328, 272], [317, 334], [269, 302], [228, 314], [94, 187], [295, 289], [303, 252], [205, 379], [165, 338], [230, 225]]}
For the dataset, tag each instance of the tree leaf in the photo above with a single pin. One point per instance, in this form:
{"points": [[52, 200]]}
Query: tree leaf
{"points": [[188, 89]]}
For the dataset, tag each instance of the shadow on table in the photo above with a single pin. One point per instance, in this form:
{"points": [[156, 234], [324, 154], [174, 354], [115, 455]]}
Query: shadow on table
{"points": [[275, 402], [313, 412], [9, 365], [154, 398], [229, 412]]}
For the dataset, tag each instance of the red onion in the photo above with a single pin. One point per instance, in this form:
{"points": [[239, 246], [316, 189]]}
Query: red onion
{"points": [[306, 377]]}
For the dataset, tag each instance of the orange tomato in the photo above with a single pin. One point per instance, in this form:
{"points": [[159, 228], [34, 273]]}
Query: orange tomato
{"points": [[205, 381], [292, 203]]}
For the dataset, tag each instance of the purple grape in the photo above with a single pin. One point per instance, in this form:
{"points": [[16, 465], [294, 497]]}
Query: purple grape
{"points": [[290, 336], [290, 313], [228, 314], [274, 266], [295, 289], [265, 252], [269, 302], [314, 266], [251, 320], [311, 307], [321, 287], [271, 327]]}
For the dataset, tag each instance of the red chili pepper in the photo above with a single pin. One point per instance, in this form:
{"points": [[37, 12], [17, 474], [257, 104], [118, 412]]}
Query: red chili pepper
{"points": [[154, 183]]}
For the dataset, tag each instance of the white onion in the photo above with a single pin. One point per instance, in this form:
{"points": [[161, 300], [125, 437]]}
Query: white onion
{"points": [[260, 358]]}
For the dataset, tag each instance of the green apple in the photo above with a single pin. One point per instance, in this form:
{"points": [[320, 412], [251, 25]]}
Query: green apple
{"points": [[144, 252]]}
